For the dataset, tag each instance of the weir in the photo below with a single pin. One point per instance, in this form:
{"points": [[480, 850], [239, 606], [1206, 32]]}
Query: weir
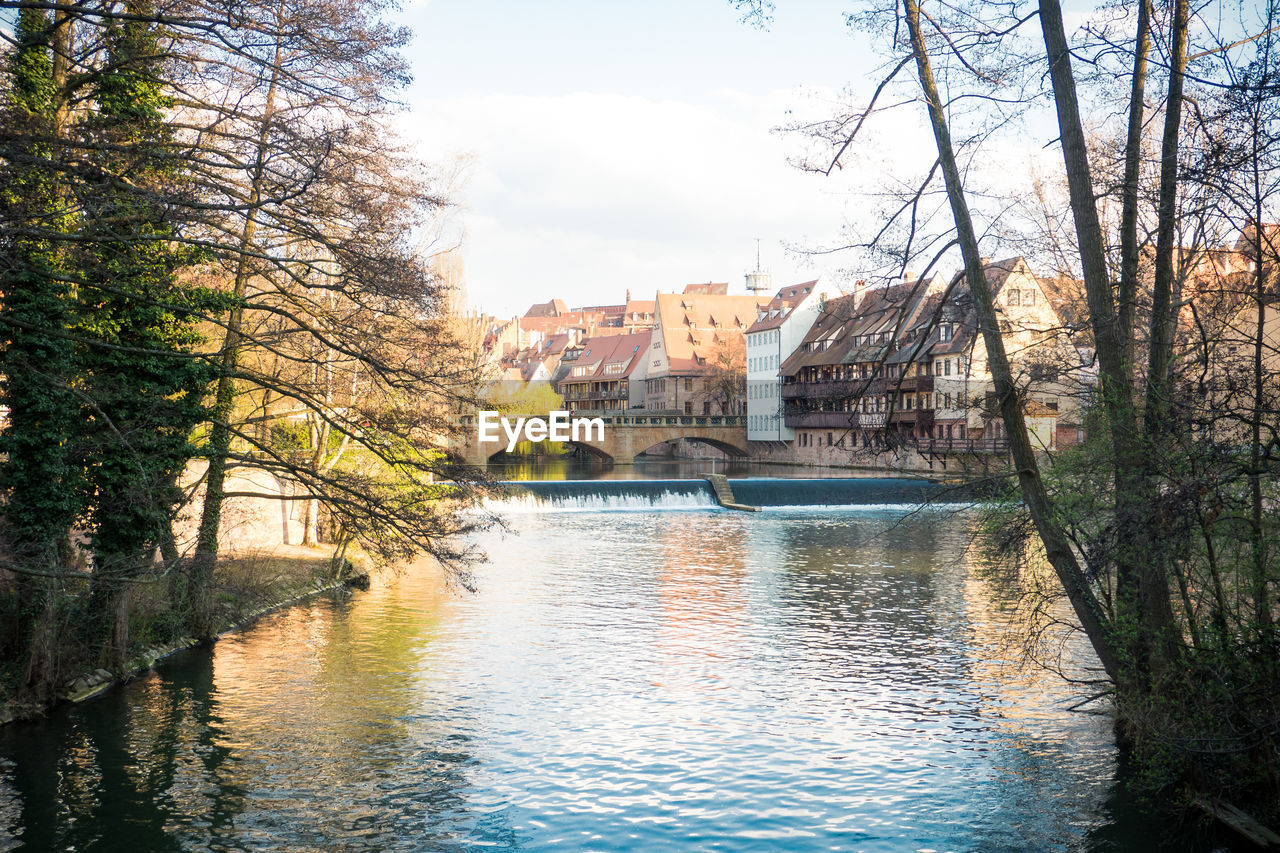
{"points": [[597, 495], [768, 492]]}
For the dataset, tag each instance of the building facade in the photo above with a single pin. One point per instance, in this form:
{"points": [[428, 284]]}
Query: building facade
{"points": [[906, 366], [779, 329], [697, 357], [606, 374]]}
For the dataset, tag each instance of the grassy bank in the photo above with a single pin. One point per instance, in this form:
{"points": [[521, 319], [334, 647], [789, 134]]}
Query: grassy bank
{"points": [[245, 586]]}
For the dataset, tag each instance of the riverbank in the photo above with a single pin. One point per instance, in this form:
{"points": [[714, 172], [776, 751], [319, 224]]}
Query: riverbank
{"points": [[247, 585]]}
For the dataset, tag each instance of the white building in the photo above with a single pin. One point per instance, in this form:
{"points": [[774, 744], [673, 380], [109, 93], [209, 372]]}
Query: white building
{"points": [[779, 329]]}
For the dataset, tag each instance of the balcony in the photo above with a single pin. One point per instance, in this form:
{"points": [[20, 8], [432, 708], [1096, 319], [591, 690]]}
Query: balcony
{"points": [[962, 445], [841, 389], [575, 395], [919, 417], [842, 420], [911, 384]]}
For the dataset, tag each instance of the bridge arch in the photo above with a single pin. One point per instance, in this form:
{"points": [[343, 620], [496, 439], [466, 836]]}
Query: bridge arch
{"points": [[590, 450], [725, 447]]}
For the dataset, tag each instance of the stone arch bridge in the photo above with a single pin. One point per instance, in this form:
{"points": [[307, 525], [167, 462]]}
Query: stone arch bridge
{"points": [[626, 436]]}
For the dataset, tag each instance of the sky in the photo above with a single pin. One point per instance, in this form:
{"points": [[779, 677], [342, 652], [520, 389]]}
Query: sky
{"points": [[605, 147]]}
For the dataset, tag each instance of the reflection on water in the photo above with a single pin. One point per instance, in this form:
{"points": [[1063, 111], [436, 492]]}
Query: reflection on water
{"points": [[626, 681]]}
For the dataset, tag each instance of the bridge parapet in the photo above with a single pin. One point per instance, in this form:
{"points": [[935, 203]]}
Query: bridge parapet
{"points": [[626, 435]]}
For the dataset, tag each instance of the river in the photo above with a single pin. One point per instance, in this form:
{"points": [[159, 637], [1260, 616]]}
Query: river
{"points": [[651, 677]]}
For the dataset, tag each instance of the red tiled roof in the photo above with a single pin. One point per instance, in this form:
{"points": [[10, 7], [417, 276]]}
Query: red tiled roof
{"points": [[693, 325]]}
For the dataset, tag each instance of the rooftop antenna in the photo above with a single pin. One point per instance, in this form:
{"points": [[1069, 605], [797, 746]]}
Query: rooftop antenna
{"points": [[759, 281]]}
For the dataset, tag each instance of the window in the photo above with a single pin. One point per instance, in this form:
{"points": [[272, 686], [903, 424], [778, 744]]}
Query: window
{"points": [[688, 407], [706, 408], [1015, 297], [688, 385], [829, 442], [946, 366], [1029, 297], [944, 332]]}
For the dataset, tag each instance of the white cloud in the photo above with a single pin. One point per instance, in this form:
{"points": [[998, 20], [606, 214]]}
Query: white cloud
{"points": [[582, 196]]}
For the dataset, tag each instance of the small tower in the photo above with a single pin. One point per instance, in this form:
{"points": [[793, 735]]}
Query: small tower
{"points": [[759, 282]]}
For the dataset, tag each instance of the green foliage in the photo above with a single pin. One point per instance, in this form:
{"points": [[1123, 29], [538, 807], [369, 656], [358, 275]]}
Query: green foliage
{"points": [[144, 386], [102, 382], [289, 436], [39, 475], [1213, 724]]}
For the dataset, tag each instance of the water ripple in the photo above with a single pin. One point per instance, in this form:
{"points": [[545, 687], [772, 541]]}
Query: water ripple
{"points": [[799, 680]]}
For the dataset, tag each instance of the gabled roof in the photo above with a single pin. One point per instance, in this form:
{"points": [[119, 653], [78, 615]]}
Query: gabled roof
{"points": [[599, 353], [780, 307], [586, 321], [898, 323], [860, 327], [554, 308], [694, 325], [710, 288]]}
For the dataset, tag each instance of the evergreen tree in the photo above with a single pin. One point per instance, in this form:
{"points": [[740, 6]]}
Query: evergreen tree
{"points": [[143, 385], [39, 477]]}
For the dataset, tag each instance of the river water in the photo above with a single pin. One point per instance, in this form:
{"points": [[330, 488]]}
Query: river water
{"points": [[681, 678]]}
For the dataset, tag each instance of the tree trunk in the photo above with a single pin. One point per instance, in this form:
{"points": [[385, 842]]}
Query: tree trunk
{"points": [[1158, 619], [1057, 548], [206, 553], [1135, 495], [1132, 169]]}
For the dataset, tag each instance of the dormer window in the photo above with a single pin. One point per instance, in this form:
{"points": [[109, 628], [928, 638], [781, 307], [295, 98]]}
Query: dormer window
{"points": [[944, 332]]}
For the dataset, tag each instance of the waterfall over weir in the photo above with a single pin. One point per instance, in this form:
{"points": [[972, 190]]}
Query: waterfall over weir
{"points": [[765, 492], [605, 495]]}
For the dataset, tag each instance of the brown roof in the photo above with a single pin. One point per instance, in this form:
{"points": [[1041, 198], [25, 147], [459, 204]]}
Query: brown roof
{"points": [[861, 327], [554, 308], [600, 352], [1067, 297], [585, 320], [775, 313], [711, 288]]}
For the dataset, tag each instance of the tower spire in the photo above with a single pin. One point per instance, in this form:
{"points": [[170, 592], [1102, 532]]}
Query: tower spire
{"points": [[759, 281]]}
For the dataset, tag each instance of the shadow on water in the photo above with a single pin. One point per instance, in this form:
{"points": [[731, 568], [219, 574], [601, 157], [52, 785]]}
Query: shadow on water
{"points": [[305, 733]]}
